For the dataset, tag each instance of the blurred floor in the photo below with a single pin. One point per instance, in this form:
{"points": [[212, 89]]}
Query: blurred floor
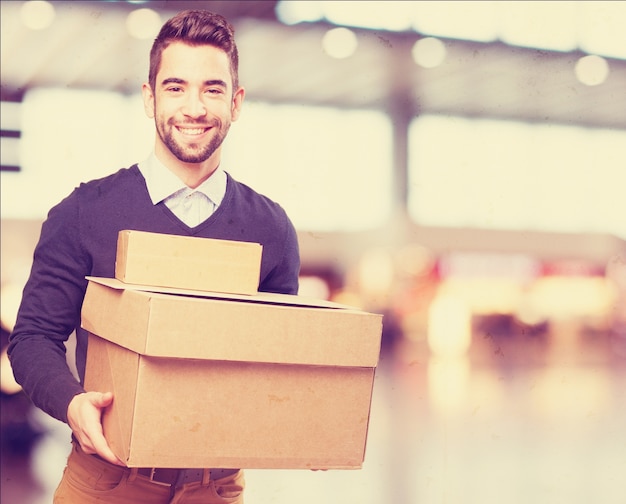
{"points": [[520, 419]]}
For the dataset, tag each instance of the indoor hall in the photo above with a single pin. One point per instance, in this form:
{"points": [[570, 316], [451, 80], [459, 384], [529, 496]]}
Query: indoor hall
{"points": [[464, 179]]}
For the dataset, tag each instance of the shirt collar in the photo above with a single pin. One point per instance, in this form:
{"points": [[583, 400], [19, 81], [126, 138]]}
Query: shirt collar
{"points": [[162, 183]]}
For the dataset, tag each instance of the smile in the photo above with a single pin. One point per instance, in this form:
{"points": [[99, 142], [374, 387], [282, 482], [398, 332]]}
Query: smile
{"points": [[192, 131]]}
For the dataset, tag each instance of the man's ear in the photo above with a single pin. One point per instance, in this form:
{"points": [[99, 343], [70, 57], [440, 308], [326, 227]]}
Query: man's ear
{"points": [[148, 100], [238, 97]]}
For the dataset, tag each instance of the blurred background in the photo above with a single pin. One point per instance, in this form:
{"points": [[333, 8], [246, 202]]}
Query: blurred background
{"points": [[459, 167]]}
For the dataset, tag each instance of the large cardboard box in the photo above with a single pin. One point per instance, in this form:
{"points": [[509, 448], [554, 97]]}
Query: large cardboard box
{"points": [[188, 262], [219, 380]]}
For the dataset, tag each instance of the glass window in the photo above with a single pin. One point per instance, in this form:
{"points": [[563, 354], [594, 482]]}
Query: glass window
{"points": [[68, 137], [510, 175], [331, 169]]}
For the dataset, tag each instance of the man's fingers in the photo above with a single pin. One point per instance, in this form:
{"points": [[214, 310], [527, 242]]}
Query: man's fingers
{"points": [[102, 399], [95, 444], [102, 449], [84, 417]]}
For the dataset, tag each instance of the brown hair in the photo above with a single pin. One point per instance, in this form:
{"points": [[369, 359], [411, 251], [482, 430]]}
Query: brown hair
{"points": [[196, 27]]}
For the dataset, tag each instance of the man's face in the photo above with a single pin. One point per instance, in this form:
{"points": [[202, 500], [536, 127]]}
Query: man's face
{"points": [[193, 103]]}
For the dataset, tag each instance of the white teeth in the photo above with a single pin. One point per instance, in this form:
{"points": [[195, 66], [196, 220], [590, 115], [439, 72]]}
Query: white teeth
{"points": [[190, 131]]}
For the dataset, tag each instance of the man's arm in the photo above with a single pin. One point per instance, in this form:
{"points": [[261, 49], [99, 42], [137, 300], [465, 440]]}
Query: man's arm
{"points": [[284, 278], [50, 312]]}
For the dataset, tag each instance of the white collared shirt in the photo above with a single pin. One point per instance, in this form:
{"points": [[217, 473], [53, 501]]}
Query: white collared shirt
{"points": [[192, 206]]}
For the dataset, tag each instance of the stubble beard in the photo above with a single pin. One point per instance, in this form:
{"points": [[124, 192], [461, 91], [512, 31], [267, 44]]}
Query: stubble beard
{"points": [[192, 153]]}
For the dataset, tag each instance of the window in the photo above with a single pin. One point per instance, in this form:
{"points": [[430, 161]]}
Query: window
{"points": [[330, 169], [510, 175]]}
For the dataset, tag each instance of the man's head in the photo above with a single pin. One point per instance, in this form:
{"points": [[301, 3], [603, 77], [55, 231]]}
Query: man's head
{"points": [[193, 94], [196, 27]]}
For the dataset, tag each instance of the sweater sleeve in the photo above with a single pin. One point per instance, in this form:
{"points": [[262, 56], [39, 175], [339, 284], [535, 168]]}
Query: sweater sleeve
{"points": [[283, 278], [50, 312]]}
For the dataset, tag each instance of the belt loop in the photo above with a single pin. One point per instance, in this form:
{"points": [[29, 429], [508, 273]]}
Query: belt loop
{"points": [[206, 476], [133, 474]]}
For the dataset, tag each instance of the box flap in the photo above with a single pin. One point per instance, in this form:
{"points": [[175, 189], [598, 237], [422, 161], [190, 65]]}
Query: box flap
{"points": [[260, 297]]}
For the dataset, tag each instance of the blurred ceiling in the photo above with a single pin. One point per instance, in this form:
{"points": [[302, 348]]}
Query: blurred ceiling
{"points": [[88, 46]]}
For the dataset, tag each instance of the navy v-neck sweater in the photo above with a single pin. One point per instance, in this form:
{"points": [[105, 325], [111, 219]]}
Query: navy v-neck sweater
{"points": [[79, 238]]}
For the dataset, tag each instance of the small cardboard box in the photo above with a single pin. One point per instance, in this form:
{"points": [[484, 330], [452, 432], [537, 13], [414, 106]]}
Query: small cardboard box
{"points": [[219, 380], [209, 264]]}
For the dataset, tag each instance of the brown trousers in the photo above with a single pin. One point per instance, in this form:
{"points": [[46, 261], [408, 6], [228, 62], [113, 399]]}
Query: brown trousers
{"points": [[89, 480]]}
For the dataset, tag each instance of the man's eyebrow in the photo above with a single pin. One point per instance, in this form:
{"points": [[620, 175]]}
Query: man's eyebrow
{"points": [[211, 82], [172, 80], [216, 82]]}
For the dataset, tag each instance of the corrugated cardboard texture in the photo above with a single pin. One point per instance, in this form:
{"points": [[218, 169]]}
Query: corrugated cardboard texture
{"points": [[113, 368], [206, 382], [167, 325], [188, 262], [194, 413]]}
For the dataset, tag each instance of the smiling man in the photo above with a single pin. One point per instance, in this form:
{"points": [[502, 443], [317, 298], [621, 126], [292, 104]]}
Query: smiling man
{"points": [[193, 108], [193, 95]]}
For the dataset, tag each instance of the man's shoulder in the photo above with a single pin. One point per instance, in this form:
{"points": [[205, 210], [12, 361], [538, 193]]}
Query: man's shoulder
{"points": [[243, 194], [124, 185], [121, 179], [106, 190]]}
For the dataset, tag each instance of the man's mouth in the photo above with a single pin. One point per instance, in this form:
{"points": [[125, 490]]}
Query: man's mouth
{"points": [[192, 131]]}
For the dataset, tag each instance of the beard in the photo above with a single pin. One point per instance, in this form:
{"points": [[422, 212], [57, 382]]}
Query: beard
{"points": [[193, 152]]}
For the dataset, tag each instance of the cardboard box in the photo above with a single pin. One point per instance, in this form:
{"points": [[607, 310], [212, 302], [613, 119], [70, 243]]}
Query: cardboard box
{"points": [[219, 380], [188, 262]]}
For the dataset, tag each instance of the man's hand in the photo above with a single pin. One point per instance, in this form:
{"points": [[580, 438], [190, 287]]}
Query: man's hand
{"points": [[84, 416]]}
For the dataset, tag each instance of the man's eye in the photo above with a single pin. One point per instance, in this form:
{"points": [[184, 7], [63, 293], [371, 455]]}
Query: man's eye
{"points": [[174, 89], [215, 91]]}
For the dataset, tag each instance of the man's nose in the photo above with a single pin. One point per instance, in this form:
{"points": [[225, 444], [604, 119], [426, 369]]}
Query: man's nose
{"points": [[194, 106]]}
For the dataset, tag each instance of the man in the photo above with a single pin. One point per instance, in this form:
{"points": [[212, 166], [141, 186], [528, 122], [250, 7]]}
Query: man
{"points": [[193, 95]]}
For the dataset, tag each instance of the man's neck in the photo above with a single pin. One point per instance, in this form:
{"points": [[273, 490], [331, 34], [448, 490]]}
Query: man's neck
{"points": [[192, 174]]}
